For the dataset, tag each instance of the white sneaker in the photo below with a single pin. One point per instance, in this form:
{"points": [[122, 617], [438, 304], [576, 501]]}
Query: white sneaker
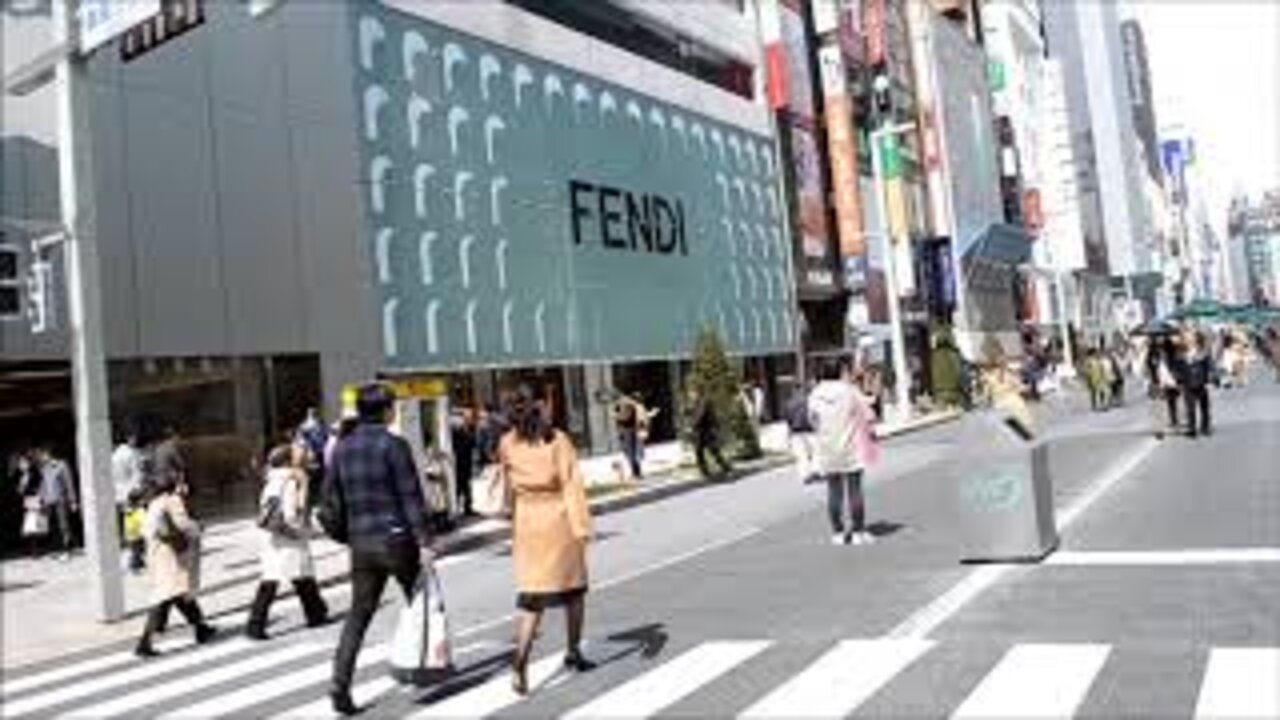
{"points": [[866, 538], [839, 539], [855, 538]]}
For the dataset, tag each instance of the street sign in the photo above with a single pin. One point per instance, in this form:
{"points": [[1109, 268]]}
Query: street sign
{"points": [[39, 298], [890, 156], [101, 21]]}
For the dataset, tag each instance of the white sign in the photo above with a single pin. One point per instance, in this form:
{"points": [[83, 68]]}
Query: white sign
{"points": [[101, 21], [826, 16], [831, 65]]}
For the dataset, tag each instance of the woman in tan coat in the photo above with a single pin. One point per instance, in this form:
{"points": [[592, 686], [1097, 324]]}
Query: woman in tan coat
{"points": [[173, 563], [551, 527]]}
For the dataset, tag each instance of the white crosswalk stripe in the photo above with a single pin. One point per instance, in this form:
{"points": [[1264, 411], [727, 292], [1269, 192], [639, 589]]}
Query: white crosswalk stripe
{"points": [[126, 678], [494, 695], [81, 669], [1028, 681], [669, 683], [363, 694], [838, 682], [248, 697], [1036, 681], [155, 695], [1240, 684]]}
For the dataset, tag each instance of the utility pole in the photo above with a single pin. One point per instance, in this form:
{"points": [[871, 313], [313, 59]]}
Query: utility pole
{"points": [[901, 374], [84, 307]]}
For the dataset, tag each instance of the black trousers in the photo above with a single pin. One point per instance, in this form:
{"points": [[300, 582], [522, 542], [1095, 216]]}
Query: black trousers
{"points": [[308, 592], [464, 473], [158, 617], [1171, 401], [630, 441], [369, 573], [1197, 401], [702, 449], [60, 513]]}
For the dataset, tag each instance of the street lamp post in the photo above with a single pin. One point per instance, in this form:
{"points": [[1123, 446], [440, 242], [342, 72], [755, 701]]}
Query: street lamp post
{"points": [[901, 374]]}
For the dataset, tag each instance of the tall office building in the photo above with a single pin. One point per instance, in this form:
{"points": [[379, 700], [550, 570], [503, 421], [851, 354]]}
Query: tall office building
{"points": [[1141, 99]]}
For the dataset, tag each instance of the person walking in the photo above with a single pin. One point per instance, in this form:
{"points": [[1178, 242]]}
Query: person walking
{"points": [[58, 496], [463, 439], [286, 548], [627, 416], [841, 417], [551, 528], [1197, 374], [374, 503], [173, 564], [1096, 379], [313, 435], [1272, 350], [170, 461], [706, 435], [1116, 372], [126, 476], [800, 431]]}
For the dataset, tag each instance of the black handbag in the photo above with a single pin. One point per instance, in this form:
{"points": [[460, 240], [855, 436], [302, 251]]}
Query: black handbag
{"points": [[332, 513], [170, 534]]}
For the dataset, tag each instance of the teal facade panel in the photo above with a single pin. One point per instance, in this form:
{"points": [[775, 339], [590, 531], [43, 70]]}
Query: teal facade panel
{"points": [[518, 212]]}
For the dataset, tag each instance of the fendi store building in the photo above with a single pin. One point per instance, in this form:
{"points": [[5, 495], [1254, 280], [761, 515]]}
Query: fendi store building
{"points": [[292, 201]]}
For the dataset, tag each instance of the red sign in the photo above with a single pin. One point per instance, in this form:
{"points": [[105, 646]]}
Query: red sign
{"points": [[1032, 212], [874, 26], [776, 59]]}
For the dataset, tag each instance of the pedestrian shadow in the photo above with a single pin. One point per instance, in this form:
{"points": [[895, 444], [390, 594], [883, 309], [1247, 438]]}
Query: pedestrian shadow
{"points": [[884, 528], [17, 586], [645, 641]]}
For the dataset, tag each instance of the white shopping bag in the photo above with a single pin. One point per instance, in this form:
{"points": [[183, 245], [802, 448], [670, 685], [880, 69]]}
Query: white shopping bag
{"points": [[420, 650]]}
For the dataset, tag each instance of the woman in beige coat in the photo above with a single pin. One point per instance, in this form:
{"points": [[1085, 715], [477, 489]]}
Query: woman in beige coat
{"points": [[551, 527], [173, 564]]}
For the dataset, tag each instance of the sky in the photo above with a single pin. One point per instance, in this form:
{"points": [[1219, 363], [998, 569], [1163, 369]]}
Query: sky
{"points": [[1215, 67]]}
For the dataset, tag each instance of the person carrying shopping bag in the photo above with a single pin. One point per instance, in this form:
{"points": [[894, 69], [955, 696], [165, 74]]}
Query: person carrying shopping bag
{"points": [[551, 526], [286, 546], [373, 503], [173, 564]]}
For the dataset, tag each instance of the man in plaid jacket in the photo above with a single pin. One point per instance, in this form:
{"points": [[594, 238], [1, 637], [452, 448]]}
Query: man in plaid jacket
{"points": [[386, 523]]}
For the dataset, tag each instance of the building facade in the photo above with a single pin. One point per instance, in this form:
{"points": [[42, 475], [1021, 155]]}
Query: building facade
{"points": [[290, 201]]}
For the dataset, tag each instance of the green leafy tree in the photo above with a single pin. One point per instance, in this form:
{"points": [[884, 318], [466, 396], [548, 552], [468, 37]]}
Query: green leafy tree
{"points": [[714, 378]]}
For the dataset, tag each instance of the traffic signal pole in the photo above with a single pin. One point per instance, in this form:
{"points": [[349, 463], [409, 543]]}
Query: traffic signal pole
{"points": [[84, 309]]}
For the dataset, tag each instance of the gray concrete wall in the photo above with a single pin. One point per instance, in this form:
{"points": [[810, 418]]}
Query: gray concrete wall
{"points": [[225, 212], [226, 220]]}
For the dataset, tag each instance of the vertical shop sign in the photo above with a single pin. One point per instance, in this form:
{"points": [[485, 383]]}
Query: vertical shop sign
{"points": [[874, 26], [843, 151]]}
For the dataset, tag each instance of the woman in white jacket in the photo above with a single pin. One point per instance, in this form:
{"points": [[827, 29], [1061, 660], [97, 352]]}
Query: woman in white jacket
{"points": [[286, 547], [843, 446]]}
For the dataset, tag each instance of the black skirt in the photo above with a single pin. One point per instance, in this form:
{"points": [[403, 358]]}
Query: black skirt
{"points": [[537, 602]]}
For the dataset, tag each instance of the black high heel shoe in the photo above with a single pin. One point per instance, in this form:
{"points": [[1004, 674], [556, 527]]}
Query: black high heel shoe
{"points": [[573, 660]]}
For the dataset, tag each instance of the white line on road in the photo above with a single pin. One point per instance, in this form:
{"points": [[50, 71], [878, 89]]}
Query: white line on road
{"points": [[840, 681], [1240, 684], [191, 683], [494, 695], [81, 669], [1214, 556], [363, 694], [927, 619], [155, 669], [627, 577], [1036, 681], [225, 704], [666, 685]]}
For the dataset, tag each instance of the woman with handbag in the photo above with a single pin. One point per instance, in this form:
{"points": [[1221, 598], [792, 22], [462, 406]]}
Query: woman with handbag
{"points": [[551, 526], [173, 563], [286, 544]]}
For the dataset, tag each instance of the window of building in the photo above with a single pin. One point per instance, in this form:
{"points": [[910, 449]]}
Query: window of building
{"points": [[10, 281], [611, 24]]}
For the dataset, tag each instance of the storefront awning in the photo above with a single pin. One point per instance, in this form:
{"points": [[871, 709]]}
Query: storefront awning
{"points": [[1002, 243]]}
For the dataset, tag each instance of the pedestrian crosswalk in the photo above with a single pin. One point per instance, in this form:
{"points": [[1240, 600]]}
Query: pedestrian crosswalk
{"points": [[287, 681]]}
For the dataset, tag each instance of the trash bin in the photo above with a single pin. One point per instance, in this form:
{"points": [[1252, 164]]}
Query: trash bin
{"points": [[1005, 493]]}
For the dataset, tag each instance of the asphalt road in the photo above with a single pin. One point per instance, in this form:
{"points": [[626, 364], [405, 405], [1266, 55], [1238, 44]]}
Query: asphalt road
{"points": [[731, 600]]}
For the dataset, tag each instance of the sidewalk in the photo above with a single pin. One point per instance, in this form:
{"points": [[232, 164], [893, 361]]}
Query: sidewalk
{"points": [[45, 601]]}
